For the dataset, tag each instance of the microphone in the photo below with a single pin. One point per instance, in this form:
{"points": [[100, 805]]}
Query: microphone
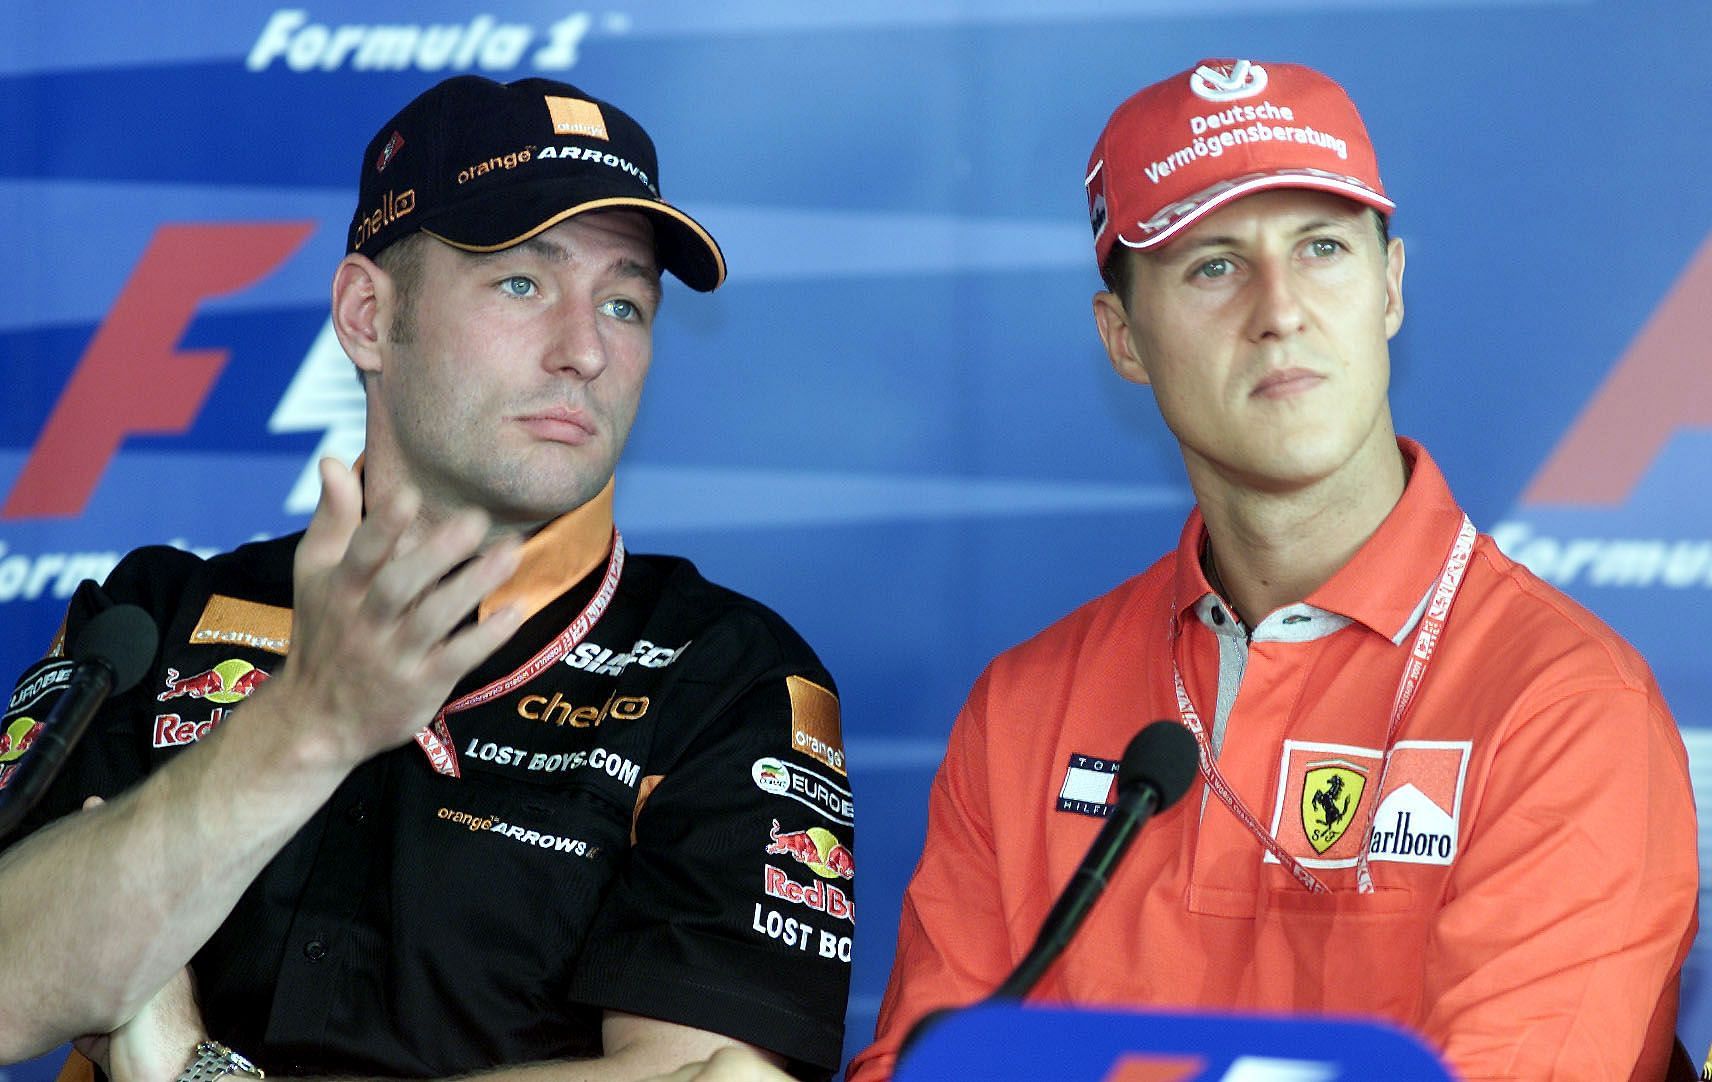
{"points": [[1157, 768], [110, 655]]}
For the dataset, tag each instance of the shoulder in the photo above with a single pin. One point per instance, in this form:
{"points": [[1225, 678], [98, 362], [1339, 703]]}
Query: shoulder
{"points": [[178, 588], [719, 620], [1530, 628], [1558, 676], [163, 567], [1108, 626]]}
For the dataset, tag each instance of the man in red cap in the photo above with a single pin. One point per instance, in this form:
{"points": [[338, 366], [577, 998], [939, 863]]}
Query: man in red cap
{"points": [[1432, 788], [501, 797]]}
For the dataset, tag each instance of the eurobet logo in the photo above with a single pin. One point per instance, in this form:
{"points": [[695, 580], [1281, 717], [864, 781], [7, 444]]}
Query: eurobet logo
{"points": [[1655, 392]]}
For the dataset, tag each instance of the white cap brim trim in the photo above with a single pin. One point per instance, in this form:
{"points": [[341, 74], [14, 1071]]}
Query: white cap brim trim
{"points": [[1317, 181]]}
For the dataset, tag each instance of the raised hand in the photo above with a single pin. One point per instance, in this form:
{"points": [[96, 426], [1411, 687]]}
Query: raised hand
{"points": [[376, 638]]}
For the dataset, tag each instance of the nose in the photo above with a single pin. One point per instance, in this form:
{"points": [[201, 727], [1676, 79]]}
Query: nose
{"points": [[578, 347], [1277, 304]]}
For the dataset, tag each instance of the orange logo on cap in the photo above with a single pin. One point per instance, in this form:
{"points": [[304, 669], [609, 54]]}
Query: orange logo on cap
{"points": [[573, 116]]}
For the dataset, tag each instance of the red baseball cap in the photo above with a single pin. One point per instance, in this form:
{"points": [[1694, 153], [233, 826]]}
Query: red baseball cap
{"points": [[1187, 145]]}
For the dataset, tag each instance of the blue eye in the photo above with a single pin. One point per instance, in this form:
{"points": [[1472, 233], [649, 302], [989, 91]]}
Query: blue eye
{"points": [[518, 286], [621, 309], [1214, 268], [1324, 246]]}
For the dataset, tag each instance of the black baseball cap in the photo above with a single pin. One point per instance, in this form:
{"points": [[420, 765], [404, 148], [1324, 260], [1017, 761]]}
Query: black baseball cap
{"points": [[483, 165]]}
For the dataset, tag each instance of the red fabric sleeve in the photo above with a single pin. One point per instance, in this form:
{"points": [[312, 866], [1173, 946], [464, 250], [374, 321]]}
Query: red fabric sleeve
{"points": [[1578, 890], [953, 945]]}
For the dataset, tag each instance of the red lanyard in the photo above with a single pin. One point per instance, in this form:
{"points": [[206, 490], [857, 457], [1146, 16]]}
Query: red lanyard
{"points": [[1427, 636], [436, 739]]}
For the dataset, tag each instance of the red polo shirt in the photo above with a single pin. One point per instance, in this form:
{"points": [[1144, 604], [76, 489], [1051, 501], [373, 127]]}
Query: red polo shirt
{"points": [[1533, 841]]}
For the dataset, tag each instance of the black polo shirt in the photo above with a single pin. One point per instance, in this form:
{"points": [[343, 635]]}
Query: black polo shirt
{"points": [[660, 823]]}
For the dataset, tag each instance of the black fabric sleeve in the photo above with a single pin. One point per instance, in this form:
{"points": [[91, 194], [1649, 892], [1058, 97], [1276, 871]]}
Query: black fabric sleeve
{"points": [[110, 758], [735, 910]]}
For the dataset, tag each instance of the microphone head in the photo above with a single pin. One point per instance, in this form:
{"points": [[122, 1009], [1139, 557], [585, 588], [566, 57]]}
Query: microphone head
{"points": [[1164, 757], [124, 638]]}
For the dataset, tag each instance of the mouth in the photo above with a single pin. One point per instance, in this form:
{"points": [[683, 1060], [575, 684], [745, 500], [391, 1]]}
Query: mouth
{"points": [[1287, 382], [558, 424]]}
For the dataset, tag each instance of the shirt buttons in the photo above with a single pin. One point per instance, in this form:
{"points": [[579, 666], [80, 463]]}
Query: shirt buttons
{"points": [[357, 812], [314, 950]]}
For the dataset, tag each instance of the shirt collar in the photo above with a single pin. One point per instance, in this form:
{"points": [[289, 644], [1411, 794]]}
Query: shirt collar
{"points": [[1385, 584], [557, 557]]}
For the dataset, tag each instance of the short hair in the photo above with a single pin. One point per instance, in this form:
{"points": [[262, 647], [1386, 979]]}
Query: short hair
{"points": [[1118, 270], [402, 261]]}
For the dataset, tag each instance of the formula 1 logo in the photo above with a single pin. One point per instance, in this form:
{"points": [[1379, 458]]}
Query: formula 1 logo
{"points": [[1656, 390], [1136, 1067], [1577, 524], [133, 379]]}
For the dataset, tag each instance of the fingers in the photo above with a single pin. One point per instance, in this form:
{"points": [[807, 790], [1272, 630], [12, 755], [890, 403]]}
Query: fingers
{"points": [[337, 515], [376, 537], [409, 575], [380, 595], [442, 608]]}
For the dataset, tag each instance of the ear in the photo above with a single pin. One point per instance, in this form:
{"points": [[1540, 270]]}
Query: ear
{"points": [[1113, 323], [364, 301], [1394, 287]]}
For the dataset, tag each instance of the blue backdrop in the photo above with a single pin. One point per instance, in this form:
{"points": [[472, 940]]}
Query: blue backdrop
{"points": [[895, 423]]}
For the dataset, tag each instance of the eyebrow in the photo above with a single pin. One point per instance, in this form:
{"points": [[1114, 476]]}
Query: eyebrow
{"points": [[553, 252], [1225, 240]]}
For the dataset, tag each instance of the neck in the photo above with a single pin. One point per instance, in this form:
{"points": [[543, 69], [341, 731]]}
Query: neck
{"points": [[1269, 549], [556, 553], [559, 555]]}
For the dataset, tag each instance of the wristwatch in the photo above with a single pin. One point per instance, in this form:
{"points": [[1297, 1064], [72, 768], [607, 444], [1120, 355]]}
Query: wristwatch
{"points": [[214, 1061]]}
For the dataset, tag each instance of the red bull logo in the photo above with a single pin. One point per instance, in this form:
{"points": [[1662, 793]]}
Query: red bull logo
{"points": [[229, 682], [816, 847], [17, 737], [173, 731], [818, 896]]}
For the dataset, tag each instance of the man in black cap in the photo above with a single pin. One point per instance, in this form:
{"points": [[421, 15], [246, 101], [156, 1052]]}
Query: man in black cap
{"points": [[448, 783]]}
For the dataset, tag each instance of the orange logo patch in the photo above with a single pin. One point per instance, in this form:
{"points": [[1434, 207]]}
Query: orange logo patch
{"points": [[815, 728], [233, 621], [573, 116]]}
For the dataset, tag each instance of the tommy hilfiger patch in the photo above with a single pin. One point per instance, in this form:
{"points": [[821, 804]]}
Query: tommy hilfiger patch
{"points": [[1327, 791], [1089, 784]]}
